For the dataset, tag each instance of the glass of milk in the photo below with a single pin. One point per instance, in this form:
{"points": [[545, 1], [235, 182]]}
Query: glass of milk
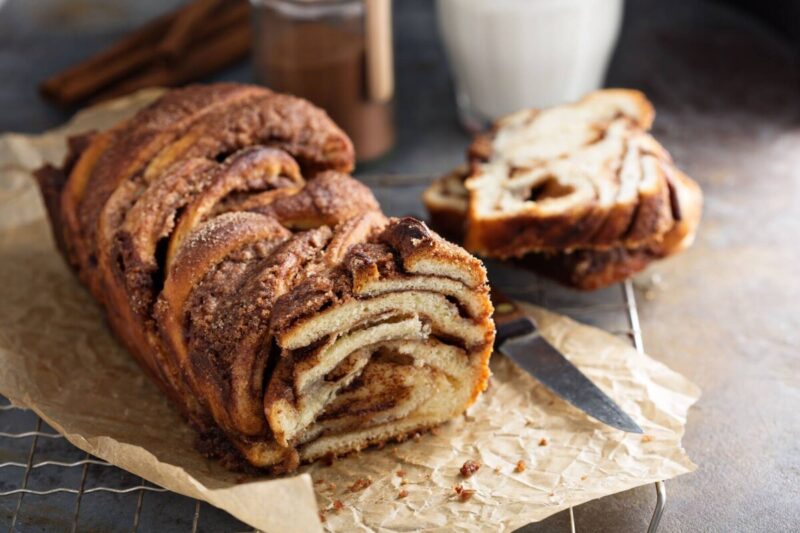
{"points": [[507, 55]]}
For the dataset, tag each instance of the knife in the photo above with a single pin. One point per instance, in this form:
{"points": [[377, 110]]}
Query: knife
{"points": [[518, 338]]}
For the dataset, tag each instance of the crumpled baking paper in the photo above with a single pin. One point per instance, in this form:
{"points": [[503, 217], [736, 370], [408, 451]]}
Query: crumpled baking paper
{"points": [[59, 359]]}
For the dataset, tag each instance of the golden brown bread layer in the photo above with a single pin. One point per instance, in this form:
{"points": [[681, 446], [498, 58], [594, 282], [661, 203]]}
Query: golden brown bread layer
{"points": [[579, 192], [261, 286]]}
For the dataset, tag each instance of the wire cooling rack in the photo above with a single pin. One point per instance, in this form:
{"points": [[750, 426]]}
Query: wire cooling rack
{"points": [[48, 485]]}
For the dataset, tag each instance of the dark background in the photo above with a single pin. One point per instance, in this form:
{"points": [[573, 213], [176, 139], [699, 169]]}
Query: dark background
{"points": [[725, 79]]}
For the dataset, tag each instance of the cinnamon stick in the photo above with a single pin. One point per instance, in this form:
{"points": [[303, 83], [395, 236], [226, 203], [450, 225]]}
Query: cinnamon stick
{"points": [[138, 52], [76, 82], [202, 59], [179, 35]]}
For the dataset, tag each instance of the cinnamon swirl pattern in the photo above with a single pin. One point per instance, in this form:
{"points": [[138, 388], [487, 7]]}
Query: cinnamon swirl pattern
{"points": [[261, 286]]}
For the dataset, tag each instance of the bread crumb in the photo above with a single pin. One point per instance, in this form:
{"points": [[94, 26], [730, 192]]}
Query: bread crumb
{"points": [[360, 484], [331, 486], [520, 466], [402, 494], [463, 494], [469, 467], [435, 430], [543, 442], [497, 470], [417, 436], [647, 438], [401, 473], [583, 477], [404, 481]]}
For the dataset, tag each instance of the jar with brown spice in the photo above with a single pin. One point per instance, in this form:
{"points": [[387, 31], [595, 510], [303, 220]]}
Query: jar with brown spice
{"points": [[338, 55]]}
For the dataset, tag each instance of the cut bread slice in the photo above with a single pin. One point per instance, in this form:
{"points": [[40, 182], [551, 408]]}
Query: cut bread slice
{"points": [[580, 192], [577, 176]]}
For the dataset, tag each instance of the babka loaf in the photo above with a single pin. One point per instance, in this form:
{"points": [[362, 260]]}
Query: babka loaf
{"points": [[581, 192], [261, 286]]}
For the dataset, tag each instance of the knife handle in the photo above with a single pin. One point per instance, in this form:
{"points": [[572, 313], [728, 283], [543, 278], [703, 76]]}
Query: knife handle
{"points": [[510, 319]]}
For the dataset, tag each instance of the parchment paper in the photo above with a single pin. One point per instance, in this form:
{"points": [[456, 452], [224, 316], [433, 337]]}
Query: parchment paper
{"points": [[58, 358]]}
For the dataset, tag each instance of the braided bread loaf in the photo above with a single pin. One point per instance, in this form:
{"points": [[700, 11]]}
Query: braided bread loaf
{"points": [[580, 192], [261, 286]]}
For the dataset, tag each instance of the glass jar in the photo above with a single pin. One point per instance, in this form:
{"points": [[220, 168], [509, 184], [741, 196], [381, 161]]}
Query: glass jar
{"points": [[338, 55]]}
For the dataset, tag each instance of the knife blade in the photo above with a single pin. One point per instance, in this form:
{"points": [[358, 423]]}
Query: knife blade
{"points": [[518, 338]]}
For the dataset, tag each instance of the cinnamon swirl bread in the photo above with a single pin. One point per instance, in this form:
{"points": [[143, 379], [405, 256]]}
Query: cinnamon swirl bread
{"points": [[581, 192], [261, 286]]}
